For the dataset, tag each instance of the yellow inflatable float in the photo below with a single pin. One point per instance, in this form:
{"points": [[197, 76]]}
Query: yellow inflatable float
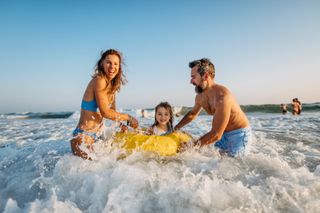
{"points": [[164, 145]]}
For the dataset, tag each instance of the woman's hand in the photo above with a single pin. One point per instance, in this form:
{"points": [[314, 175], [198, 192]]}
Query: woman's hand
{"points": [[123, 128], [132, 122]]}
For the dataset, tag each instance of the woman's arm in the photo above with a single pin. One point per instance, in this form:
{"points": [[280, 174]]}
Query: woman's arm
{"points": [[107, 110]]}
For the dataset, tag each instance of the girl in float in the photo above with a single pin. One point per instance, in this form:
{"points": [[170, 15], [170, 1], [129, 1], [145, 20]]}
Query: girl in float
{"points": [[159, 138]]}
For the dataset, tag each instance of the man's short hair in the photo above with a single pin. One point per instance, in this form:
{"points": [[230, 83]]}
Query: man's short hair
{"points": [[204, 65]]}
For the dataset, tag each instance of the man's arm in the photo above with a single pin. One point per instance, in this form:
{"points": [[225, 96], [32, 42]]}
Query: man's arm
{"points": [[220, 120], [191, 115]]}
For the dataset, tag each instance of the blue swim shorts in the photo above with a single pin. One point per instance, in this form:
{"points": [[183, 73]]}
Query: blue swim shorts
{"points": [[234, 142]]}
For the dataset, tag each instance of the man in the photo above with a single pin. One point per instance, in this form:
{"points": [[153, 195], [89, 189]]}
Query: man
{"points": [[230, 130]]}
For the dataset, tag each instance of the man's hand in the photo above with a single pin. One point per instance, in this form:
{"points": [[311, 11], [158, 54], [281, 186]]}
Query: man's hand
{"points": [[184, 146], [197, 143]]}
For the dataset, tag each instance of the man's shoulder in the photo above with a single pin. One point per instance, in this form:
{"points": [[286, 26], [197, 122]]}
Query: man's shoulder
{"points": [[220, 90], [221, 87]]}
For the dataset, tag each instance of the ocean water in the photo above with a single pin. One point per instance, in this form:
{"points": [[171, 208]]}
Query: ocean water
{"points": [[280, 173]]}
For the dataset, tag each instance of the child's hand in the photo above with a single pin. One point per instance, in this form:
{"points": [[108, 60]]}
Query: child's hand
{"points": [[149, 131]]}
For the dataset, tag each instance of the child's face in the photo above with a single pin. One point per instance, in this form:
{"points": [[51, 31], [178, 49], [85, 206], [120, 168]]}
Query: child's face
{"points": [[162, 116]]}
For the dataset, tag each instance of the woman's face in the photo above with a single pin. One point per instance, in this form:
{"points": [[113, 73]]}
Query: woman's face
{"points": [[162, 116], [111, 65]]}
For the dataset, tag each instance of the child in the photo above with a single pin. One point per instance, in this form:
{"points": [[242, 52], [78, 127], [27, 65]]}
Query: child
{"points": [[163, 120]]}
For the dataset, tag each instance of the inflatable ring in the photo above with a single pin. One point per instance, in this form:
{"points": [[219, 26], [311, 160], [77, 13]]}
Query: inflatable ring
{"points": [[164, 145]]}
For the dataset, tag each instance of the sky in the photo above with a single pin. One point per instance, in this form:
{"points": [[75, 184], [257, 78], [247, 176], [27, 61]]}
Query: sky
{"points": [[264, 51]]}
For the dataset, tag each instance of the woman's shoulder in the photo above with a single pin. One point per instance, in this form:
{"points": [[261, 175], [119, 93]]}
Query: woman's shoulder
{"points": [[100, 81], [98, 77]]}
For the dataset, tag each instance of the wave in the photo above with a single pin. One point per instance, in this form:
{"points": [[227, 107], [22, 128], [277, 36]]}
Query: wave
{"points": [[149, 112], [264, 108], [37, 115]]}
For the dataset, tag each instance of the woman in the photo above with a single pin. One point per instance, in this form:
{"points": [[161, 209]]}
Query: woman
{"points": [[99, 102]]}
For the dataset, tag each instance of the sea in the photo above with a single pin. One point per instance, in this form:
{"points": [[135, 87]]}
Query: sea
{"points": [[280, 173]]}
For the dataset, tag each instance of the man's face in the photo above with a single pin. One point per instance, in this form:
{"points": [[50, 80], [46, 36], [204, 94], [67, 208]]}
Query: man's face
{"points": [[196, 80]]}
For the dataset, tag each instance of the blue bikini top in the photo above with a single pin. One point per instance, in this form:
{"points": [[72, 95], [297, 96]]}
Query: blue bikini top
{"points": [[89, 105]]}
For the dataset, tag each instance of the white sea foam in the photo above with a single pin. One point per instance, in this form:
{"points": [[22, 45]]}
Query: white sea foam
{"points": [[281, 173]]}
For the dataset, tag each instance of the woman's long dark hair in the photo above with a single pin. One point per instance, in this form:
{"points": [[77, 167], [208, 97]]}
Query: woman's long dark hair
{"points": [[168, 107], [119, 79]]}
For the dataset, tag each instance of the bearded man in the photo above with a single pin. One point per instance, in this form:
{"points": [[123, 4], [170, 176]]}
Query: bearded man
{"points": [[230, 131]]}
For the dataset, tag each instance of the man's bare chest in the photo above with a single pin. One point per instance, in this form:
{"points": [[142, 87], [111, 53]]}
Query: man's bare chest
{"points": [[208, 105]]}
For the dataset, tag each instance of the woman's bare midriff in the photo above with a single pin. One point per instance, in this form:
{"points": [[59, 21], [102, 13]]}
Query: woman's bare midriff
{"points": [[90, 121]]}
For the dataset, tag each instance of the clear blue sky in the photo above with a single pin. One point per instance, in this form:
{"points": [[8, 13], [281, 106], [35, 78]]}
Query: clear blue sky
{"points": [[264, 51]]}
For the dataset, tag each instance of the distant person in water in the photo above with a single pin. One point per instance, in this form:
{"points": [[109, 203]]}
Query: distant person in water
{"points": [[142, 113], [99, 101], [230, 131], [163, 120], [296, 106], [300, 106], [283, 108]]}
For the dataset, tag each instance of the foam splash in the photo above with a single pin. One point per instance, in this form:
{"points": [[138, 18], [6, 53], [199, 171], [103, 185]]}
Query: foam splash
{"points": [[280, 174]]}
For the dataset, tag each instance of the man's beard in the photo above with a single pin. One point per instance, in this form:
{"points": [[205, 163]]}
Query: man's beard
{"points": [[198, 89]]}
